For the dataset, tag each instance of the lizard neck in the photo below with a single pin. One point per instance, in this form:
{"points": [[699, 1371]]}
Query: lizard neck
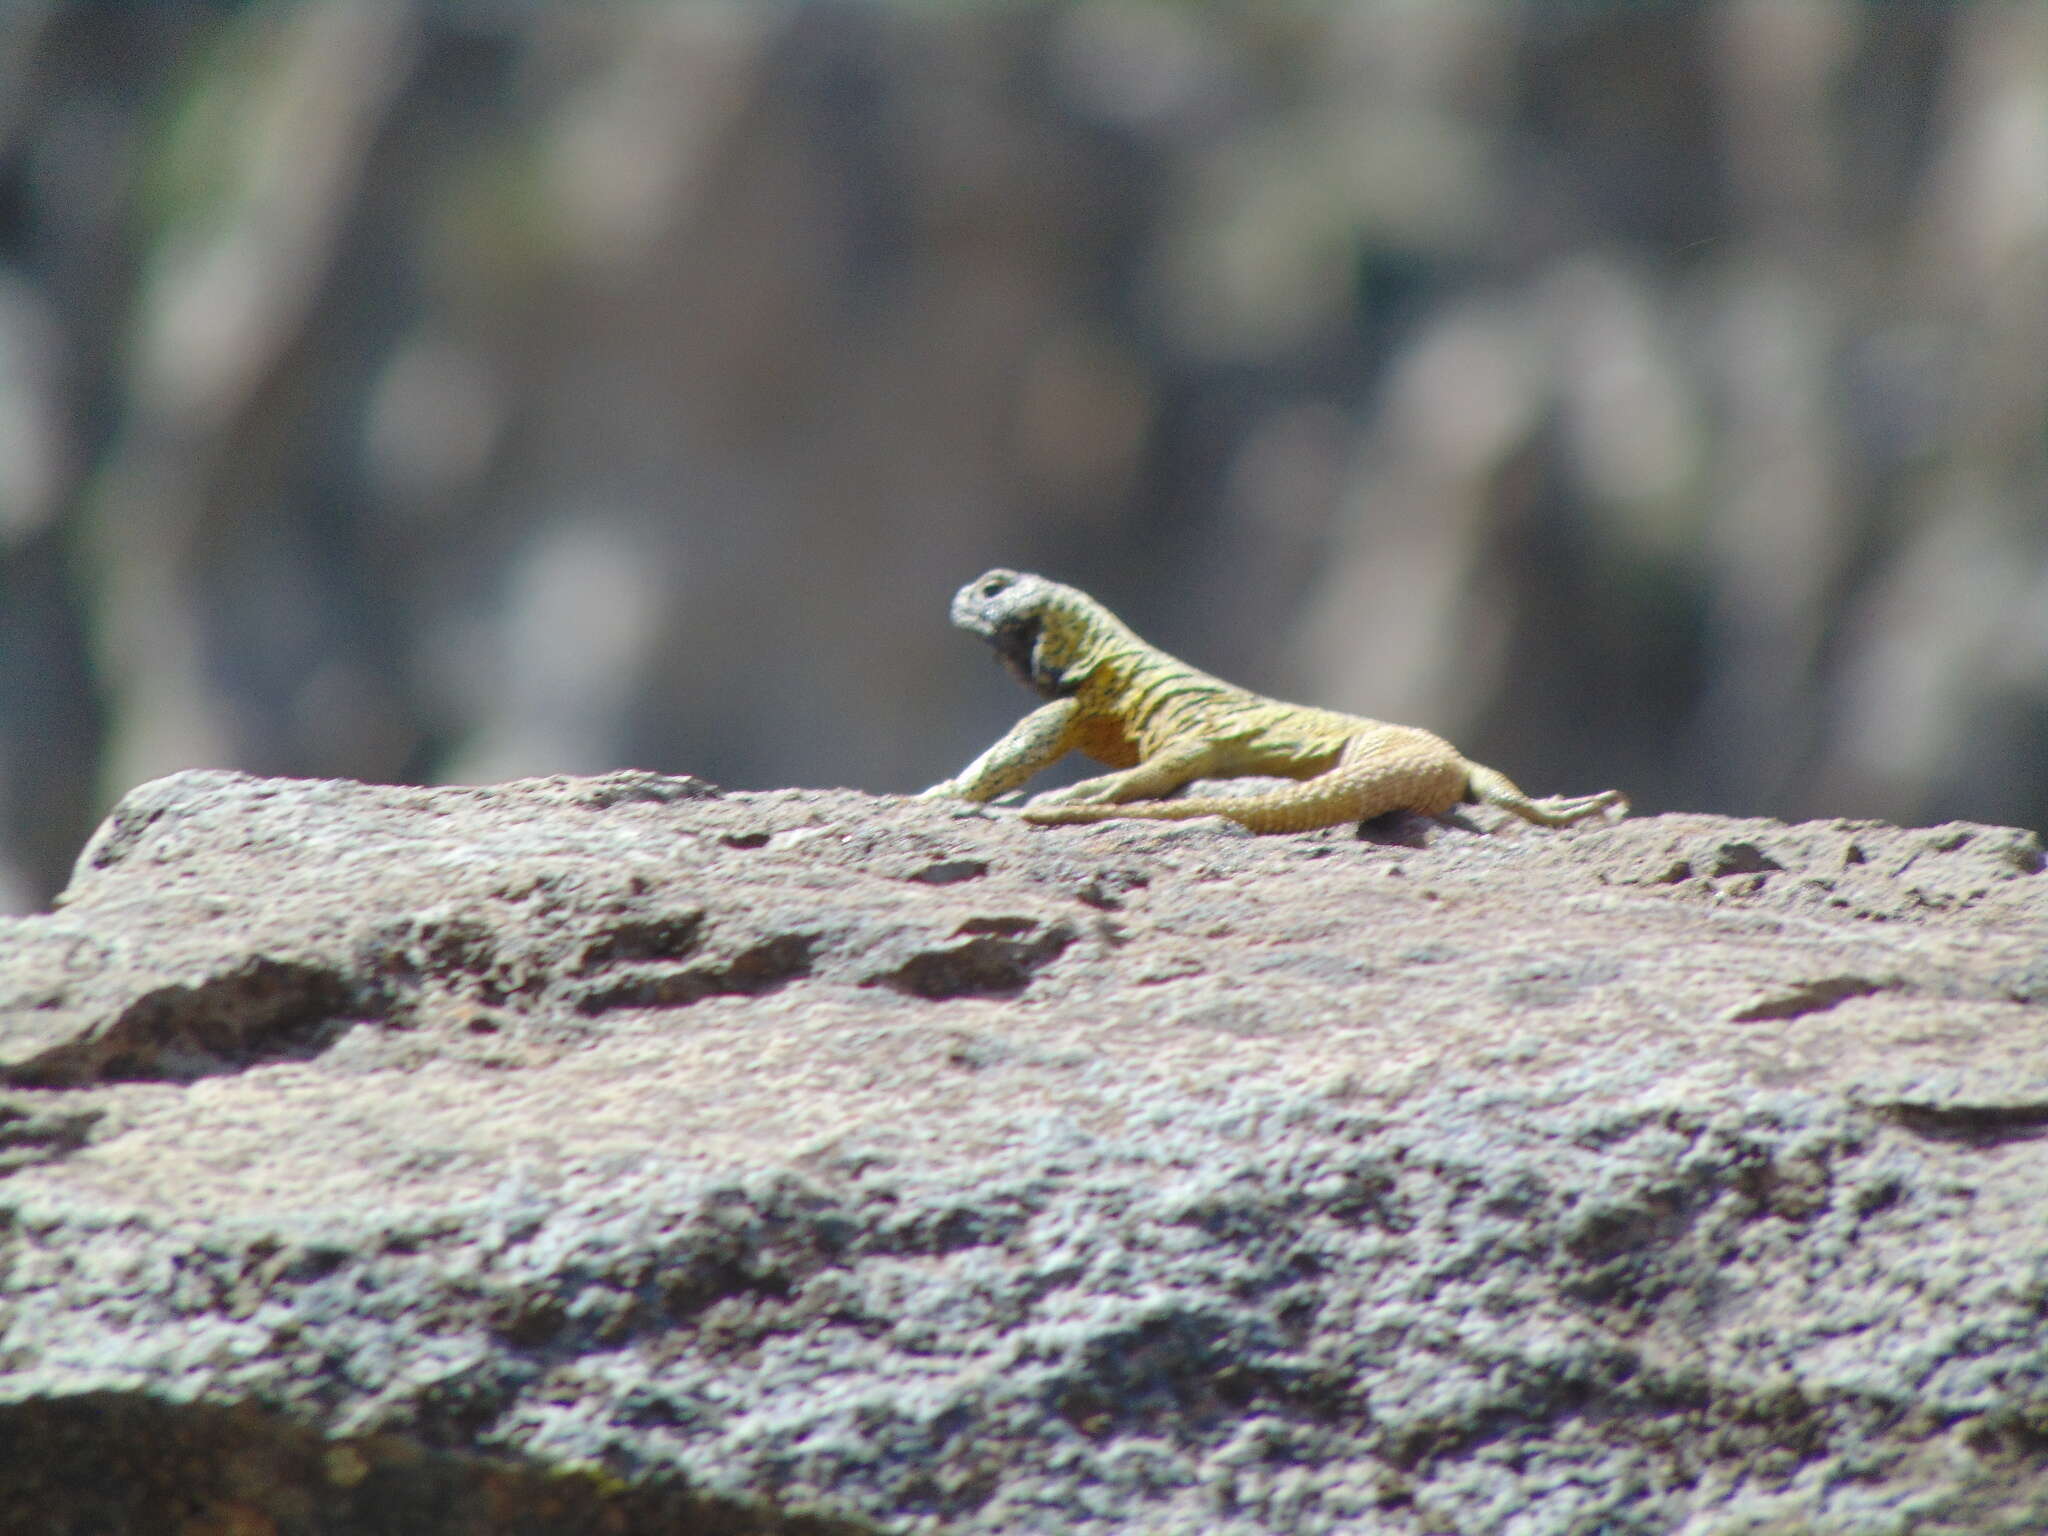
{"points": [[1081, 646], [1154, 697]]}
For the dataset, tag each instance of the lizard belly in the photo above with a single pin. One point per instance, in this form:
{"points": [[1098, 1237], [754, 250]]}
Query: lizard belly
{"points": [[1103, 739]]}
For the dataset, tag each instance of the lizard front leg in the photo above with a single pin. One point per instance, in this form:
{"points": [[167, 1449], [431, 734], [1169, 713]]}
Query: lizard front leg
{"points": [[1037, 741], [1150, 780]]}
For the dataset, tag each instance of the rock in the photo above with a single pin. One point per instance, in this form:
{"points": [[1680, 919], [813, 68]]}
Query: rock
{"points": [[626, 1155]]}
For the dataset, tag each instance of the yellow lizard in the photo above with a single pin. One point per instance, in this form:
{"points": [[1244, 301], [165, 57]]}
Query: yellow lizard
{"points": [[1162, 724]]}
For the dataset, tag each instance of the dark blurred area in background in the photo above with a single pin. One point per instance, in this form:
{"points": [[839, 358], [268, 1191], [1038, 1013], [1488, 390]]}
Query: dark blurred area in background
{"points": [[1652, 396]]}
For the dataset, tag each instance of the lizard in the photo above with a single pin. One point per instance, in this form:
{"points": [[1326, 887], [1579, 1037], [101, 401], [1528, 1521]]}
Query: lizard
{"points": [[1161, 724]]}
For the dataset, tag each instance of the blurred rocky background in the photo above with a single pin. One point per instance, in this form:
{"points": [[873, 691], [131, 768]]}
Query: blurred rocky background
{"points": [[1651, 396]]}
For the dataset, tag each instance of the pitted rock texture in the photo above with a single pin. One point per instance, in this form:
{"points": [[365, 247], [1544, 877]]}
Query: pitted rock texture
{"points": [[624, 1155]]}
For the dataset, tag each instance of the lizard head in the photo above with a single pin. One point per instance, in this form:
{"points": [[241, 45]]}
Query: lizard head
{"points": [[1009, 609]]}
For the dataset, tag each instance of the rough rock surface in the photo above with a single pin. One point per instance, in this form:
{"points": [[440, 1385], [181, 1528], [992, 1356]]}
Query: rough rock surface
{"points": [[623, 1155]]}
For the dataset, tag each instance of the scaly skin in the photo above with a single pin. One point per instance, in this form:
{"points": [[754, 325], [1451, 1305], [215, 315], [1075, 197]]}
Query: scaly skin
{"points": [[1161, 723]]}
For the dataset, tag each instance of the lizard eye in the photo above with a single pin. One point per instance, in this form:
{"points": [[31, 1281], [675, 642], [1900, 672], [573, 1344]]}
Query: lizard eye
{"points": [[994, 585]]}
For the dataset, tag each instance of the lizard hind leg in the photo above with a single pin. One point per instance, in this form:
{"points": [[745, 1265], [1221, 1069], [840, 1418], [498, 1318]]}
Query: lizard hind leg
{"points": [[1158, 776], [1370, 778], [1496, 788], [1285, 810]]}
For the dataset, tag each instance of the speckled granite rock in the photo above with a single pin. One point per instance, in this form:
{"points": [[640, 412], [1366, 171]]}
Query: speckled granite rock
{"points": [[623, 1155]]}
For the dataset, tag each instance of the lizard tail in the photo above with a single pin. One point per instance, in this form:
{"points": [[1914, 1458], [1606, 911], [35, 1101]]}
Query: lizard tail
{"points": [[1496, 788]]}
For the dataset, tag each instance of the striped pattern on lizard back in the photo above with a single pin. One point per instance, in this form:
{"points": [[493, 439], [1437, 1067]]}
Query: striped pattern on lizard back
{"points": [[1162, 723]]}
